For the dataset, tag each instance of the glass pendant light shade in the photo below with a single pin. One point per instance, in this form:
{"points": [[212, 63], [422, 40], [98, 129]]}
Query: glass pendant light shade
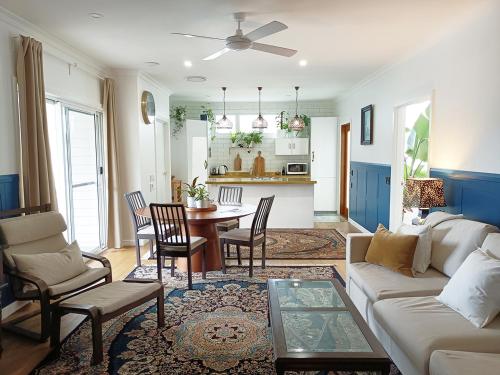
{"points": [[224, 122], [297, 124], [260, 122]]}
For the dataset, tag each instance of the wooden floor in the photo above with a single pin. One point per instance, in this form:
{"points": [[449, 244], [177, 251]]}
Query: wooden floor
{"points": [[21, 356]]}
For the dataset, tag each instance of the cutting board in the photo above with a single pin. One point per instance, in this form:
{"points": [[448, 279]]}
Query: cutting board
{"points": [[237, 163], [259, 165]]}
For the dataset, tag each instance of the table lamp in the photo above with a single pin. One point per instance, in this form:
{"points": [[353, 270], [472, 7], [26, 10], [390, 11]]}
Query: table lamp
{"points": [[424, 193]]}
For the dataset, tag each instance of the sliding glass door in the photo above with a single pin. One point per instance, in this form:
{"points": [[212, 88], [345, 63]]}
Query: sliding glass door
{"points": [[77, 155]]}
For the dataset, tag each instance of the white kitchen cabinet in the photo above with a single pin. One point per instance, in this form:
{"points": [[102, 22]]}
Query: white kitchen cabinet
{"points": [[324, 162], [292, 146]]}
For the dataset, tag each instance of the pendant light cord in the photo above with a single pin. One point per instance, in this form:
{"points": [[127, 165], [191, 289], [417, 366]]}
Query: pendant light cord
{"points": [[224, 90], [296, 100], [260, 89]]}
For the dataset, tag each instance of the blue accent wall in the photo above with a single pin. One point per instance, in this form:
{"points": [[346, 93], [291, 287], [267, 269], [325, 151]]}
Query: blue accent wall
{"points": [[476, 195], [9, 199], [369, 195]]}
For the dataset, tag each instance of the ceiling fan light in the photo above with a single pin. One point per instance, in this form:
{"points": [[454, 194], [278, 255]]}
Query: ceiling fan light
{"points": [[224, 123]]}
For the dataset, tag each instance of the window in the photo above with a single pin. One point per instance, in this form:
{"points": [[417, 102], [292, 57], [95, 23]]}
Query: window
{"points": [[232, 118], [245, 124]]}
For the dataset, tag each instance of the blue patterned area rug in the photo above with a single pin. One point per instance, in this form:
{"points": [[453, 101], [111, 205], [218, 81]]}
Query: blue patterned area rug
{"points": [[219, 327]]}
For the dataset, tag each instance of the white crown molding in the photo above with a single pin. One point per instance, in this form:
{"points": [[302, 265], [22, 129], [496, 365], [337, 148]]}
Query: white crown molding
{"points": [[53, 45], [153, 81]]}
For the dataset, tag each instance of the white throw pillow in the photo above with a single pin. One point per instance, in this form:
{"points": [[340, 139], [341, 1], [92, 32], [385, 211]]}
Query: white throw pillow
{"points": [[473, 291], [422, 257], [55, 267]]}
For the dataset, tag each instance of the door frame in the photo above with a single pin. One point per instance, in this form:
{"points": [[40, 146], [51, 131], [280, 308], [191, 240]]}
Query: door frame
{"points": [[344, 170]]}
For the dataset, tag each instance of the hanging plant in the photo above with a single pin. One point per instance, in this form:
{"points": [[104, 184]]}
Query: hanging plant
{"points": [[210, 117], [283, 122], [178, 114]]}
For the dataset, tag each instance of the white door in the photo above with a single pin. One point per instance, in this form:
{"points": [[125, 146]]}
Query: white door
{"points": [[324, 162], [283, 146], [199, 162], [300, 146], [162, 140]]}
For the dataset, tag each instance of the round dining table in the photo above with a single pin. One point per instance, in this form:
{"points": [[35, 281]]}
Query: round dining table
{"points": [[203, 224]]}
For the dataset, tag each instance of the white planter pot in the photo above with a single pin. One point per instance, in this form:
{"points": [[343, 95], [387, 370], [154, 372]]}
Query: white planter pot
{"points": [[204, 203], [191, 202]]}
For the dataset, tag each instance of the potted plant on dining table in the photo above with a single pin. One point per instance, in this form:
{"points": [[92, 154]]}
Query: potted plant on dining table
{"points": [[202, 197], [191, 190]]}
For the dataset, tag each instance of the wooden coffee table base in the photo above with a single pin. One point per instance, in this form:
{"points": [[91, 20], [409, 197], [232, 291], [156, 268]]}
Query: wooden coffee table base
{"points": [[209, 231]]}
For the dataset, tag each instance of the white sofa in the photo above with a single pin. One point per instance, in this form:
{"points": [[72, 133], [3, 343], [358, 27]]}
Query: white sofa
{"points": [[402, 311]]}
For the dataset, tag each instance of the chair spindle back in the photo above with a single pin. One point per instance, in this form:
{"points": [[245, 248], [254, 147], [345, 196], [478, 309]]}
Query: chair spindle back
{"points": [[259, 224], [135, 200], [230, 195], [170, 224]]}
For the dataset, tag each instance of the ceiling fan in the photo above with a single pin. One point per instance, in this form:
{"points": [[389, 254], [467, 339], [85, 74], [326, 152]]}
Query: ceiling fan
{"points": [[240, 42]]}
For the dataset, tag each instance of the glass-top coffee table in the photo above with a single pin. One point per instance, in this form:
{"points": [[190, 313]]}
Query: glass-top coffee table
{"points": [[316, 326]]}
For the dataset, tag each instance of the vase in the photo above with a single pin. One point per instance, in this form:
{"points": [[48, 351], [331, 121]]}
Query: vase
{"points": [[191, 202], [202, 203]]}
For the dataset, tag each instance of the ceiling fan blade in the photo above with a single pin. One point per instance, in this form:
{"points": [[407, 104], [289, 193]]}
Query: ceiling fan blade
{"points": [[273, 49], [217, 54], [197, 36], [268, 29]]}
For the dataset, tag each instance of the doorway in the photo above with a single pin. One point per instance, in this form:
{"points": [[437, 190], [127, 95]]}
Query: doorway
{"points": [[345, 134], [77, 153]]}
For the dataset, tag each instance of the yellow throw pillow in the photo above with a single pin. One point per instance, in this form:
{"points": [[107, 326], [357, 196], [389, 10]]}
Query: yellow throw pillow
{"points": [[392, 250]]}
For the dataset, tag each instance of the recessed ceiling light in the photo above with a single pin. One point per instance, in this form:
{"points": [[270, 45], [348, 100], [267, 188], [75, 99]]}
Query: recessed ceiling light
{"points": [[189, 36], [196, 79], [188, 64], [96, 15], [151, 63], [303, 62]]}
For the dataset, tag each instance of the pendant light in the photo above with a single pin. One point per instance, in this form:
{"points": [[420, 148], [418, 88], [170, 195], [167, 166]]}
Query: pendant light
{"points": [[297, 123], [260, 122], [224, 122]]}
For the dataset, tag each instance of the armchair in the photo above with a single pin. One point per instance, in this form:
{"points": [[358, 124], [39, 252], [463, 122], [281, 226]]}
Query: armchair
{"points": [[35, 234]]}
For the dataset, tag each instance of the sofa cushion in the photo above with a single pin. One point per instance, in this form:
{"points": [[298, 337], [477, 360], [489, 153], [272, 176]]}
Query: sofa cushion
{"points": [[452, 362], [423, 251], [420, 325], [379, 283], [53, 268], [437, 217], [454, 240], [91, 276], [491, 244], [392, 250]]}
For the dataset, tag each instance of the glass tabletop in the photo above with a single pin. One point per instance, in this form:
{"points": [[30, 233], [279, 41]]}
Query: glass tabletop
{"points": [[307, 293], [322, 331]]}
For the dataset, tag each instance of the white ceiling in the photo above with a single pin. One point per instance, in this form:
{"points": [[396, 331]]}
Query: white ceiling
{"points": [[344, 41]]}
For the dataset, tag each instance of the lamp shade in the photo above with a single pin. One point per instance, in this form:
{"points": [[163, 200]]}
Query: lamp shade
{"points": [[424, 193]]}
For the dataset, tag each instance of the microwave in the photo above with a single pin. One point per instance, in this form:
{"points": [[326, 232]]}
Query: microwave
{"points": [[296, 168]]}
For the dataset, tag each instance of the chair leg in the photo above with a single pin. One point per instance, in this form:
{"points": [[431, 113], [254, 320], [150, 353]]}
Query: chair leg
{"points": [[172, 267], [137, 252], [190, 273], [238, 253], [97, 355], [228, 250], [45, 316], [222, 256], [151, 252], [160, 305], [158, 268], [204, 262], [250, 262], [264, 254], [55, 331]]}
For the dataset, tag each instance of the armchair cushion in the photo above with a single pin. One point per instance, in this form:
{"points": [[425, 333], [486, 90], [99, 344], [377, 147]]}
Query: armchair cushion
{"points": [[54, 267], [91, 276]]}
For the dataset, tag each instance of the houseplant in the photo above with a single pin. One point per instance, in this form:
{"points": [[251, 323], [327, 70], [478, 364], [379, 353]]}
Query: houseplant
{"points": [[283, 121], [235, 138], [178, 114], [191, 190], [202, 196], [207, 114]]}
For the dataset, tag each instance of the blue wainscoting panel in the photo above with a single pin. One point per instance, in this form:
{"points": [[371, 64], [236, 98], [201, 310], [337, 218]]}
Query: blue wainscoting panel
{"points": [[476, 195], [369, 196], [9, 199]]}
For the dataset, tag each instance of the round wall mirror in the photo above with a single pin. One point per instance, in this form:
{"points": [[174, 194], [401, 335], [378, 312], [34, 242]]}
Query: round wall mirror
{"points": [[148, 107]]}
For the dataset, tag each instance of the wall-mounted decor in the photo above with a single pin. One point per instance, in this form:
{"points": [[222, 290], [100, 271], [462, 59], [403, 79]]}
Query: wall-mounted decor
{"points": [[367, 125], [147, 107]]}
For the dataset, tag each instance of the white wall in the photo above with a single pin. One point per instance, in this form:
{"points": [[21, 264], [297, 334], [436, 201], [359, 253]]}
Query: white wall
{"points": [[463, 73]]}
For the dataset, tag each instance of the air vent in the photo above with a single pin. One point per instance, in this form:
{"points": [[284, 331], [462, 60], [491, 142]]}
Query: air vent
{"points": [[196, 79]]}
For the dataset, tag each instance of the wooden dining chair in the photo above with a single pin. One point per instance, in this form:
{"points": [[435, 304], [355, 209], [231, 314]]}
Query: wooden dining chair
{"points": [[174, 240], [143, 230], [229, 196], [252, 237]]}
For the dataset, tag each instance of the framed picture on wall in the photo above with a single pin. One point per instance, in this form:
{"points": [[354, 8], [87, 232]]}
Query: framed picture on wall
{"points": [[367, 125]]}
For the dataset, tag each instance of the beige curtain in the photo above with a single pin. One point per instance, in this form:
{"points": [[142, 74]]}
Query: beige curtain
{"points": [[114, 238], [37, 183]]}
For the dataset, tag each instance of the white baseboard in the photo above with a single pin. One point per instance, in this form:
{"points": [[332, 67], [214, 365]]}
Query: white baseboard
{"points": [[13, 307], [361, 228]]}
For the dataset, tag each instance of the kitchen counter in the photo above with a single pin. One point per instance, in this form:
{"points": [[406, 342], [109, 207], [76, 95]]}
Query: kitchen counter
{"points": [[282, 180]]}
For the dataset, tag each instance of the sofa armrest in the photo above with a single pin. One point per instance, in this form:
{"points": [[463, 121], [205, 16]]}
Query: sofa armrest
{"points": [[104, 261], [357, 246]]}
